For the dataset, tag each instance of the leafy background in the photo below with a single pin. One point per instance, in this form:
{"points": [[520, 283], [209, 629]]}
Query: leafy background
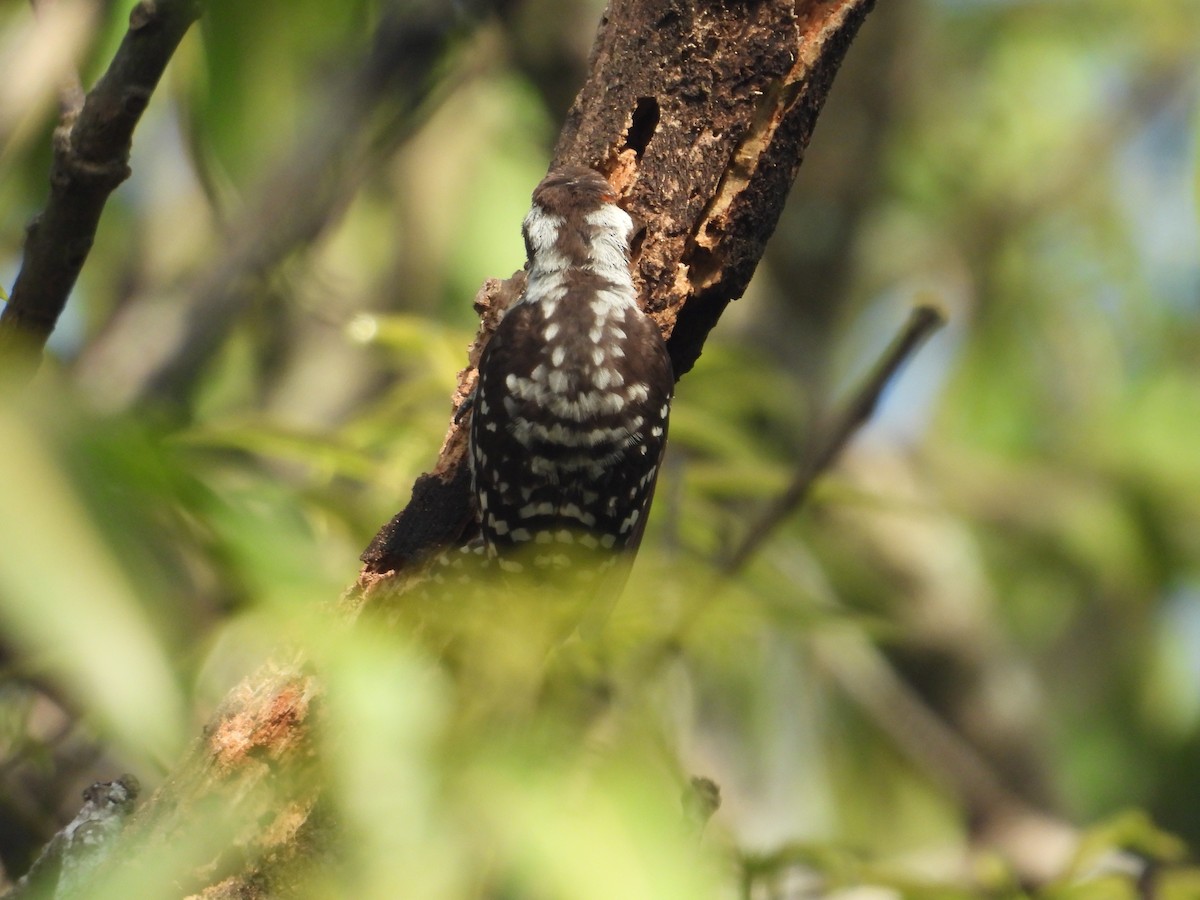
{"points": [[1009, 551]]}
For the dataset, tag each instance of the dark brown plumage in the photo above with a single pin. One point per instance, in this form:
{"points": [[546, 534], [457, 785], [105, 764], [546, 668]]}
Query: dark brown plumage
{"points": [[570, 412]]}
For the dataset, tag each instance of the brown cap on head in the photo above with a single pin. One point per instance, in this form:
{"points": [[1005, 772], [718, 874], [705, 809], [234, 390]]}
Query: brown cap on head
{"points": [[570, 188]]}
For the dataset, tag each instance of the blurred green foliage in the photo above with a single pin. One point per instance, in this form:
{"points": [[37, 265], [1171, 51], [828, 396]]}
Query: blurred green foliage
{"points": [[1011, 548]]}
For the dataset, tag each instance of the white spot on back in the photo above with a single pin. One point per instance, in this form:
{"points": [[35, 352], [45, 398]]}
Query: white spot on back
{"points": [[608, 377], [606, 302]]}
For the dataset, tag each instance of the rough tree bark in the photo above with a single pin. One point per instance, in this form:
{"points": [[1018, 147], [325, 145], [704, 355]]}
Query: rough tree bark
{"points": [[699, 112]]}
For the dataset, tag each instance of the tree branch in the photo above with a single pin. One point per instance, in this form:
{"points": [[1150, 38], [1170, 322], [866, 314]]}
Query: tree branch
{"points": [[91, 157], [921, 324]]}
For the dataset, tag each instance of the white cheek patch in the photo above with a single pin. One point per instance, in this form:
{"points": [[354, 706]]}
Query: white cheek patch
{"points": [[541, 229], [608, 250]]}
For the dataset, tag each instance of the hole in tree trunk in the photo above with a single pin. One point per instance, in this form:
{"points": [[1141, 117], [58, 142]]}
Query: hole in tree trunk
{"points": [[645, 123]]}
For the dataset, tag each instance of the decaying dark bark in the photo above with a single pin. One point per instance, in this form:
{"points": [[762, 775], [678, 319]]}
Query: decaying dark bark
{"points": [[699, 112]]}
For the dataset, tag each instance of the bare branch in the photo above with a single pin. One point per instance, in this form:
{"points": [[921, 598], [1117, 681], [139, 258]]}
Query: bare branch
{"points": [[91, 157], [921, 324]]}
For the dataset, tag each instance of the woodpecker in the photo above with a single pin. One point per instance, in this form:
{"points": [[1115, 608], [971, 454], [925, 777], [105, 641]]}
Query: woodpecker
{"points": [[569, 415]]}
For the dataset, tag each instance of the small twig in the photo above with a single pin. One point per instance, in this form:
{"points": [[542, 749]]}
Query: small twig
{"points": [[921, 324], [91, 157]]}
